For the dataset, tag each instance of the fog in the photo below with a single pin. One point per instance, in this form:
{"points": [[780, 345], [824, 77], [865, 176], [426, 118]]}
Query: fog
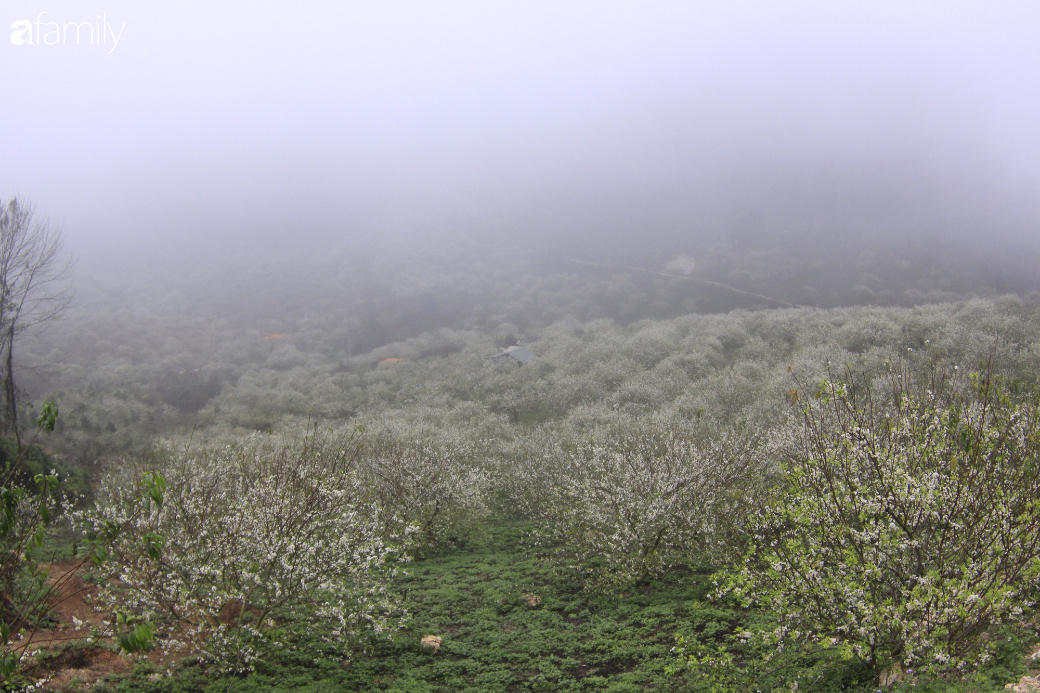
{"points": [[593, 130], [589, 299]]}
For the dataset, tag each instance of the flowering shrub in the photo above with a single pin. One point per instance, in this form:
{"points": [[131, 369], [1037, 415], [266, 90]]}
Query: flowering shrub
{"points": [[624, 508], [431, 489], [908, 524], [273, 529], [732, 366]]}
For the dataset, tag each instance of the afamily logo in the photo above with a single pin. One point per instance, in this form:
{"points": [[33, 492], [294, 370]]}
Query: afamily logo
{"points": [[44, 32]]}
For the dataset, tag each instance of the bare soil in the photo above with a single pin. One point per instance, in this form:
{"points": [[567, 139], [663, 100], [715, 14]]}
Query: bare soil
{"points": [[67, 661]]}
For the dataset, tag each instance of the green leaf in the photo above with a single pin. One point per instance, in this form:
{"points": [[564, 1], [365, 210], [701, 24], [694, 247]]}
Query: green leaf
{"points": [[8, 664], [140, 638], [155, 488], [99, 555], [48, 415], [153, 544]]}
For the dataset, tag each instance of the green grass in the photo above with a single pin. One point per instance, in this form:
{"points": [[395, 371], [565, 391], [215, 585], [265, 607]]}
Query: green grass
{"points": [[473, 598]]}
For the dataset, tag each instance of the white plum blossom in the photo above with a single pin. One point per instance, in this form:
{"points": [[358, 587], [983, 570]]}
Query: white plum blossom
{"points": [[902, 537], [270, 529]]}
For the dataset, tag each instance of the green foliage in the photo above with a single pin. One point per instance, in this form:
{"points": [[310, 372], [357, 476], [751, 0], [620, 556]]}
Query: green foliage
{"points": [[733, 653], [25, 513], [48, 416], [473, 595], [28, 589], [141, 638], [908, 524]]}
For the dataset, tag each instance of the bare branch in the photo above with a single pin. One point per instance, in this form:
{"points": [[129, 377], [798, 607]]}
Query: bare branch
{"points": [[34, 289]]}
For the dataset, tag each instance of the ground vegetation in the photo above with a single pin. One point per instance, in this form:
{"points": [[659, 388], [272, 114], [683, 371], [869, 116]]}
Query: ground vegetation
{"points": [[839, 497]]}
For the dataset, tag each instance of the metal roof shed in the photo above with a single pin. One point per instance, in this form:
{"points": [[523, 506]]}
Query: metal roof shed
{"points": [[515, 353]]}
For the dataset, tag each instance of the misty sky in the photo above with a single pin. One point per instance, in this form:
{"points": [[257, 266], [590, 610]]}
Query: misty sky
{"points": [[222, 123]]}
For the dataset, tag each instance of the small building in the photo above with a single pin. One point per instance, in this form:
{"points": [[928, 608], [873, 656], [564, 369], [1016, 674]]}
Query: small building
{"points": [[514, 354]]}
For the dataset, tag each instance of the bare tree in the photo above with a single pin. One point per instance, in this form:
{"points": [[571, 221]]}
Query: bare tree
{"points": [[33, 290]]}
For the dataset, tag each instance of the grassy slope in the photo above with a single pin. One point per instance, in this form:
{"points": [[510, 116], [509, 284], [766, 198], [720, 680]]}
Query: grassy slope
{"points": [[473, 597]]}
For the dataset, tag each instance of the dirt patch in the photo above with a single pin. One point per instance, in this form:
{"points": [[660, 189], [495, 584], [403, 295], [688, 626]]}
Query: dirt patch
{"points": [[73, 599], [65, 658], [72, 611], [82, 666]]}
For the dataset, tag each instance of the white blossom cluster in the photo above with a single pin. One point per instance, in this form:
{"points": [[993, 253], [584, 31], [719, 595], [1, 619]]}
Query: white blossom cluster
{"points": [[264, 531], [730, 365], [908, 525], [624, 508], [433, 489]]}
